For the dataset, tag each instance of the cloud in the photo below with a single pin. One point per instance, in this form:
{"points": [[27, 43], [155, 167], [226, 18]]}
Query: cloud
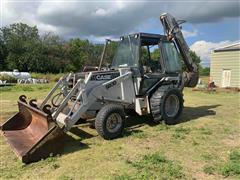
{"points": [[204, 48], [188, 34], [111, 18], [101, 12]]}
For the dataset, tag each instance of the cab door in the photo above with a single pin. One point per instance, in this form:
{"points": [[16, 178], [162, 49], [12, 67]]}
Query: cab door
{"points": [[170, 58], [150, 68]]}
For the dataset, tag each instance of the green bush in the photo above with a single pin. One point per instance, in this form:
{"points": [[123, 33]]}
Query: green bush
{"points": [[204, 71]]}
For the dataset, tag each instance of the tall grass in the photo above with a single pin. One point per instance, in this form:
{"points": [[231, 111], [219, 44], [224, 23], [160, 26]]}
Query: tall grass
{"points": [[8, 78], [49, 76]]}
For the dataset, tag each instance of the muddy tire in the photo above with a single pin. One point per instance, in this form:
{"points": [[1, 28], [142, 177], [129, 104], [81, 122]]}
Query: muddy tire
{"points": [[166, 104], [110, 120]]}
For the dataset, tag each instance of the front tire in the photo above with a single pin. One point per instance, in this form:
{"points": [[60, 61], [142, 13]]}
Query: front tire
{"points": [[110, 120]]}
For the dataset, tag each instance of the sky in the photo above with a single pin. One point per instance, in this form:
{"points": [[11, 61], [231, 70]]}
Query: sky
{"points": [[210, 23]]}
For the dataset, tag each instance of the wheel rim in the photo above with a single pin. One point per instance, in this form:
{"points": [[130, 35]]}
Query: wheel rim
{"points": [[172, 105], [114, 122]]}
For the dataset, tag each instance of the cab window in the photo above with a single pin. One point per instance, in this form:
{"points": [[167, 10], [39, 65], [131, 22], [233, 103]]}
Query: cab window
{"points": [[171, 57]]}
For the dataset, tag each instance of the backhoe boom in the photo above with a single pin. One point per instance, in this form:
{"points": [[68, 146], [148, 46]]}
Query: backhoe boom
{"points": [[174, 33]]}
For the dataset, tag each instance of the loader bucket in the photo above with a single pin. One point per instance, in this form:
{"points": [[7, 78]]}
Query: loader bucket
{"points": [[32, 134]]}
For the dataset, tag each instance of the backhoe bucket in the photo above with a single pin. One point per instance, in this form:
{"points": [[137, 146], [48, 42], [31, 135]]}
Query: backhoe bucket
{"points": [[32, 134]]}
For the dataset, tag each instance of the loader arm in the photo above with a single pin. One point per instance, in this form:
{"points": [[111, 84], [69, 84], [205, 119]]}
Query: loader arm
{"points": [[174, 33], [89, 98]]}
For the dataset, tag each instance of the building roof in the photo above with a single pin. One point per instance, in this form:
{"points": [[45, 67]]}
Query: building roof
{"points": [[231, 47]]}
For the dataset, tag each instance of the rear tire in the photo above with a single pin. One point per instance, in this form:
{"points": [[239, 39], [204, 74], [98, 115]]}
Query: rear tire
{"points": [[156, 103], [109, 122], [166, 104]]}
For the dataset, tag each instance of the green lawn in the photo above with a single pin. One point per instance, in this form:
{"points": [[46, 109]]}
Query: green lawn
{"points": [[206, 145]]}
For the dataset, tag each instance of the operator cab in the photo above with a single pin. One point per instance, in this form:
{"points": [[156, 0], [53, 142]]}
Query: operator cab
{"points": [[150, 57]]}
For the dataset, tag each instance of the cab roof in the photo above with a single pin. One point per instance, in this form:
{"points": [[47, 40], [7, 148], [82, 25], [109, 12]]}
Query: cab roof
{"points": [[148, 38]]}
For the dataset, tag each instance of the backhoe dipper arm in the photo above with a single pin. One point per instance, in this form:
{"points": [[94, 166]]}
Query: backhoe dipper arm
{"points": [[174, 33]]}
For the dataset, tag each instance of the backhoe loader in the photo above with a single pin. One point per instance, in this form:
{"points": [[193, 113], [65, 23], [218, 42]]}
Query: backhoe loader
{"points": [[134, 81]]}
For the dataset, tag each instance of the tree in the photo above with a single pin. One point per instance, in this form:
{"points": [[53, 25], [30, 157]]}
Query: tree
{"points": [[78, 53], [95, 55], [195, 58], [3, 53], [155, 55], [56, 53], [204, 71], [22, 48], [22, 44], [110, 52], [143, 56]]}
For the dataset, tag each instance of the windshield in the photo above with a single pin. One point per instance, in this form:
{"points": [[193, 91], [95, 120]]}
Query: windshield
{"points": [[127, 53]]}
